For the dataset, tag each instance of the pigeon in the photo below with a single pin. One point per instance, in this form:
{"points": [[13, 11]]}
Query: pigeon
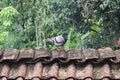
{"points": [[57, 40]]}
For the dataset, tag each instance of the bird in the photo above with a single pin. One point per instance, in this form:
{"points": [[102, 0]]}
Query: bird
{"points": [[59, 40]]}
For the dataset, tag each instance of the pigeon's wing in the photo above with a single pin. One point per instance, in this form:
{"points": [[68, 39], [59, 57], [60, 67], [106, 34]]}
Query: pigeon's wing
{"points": [[59, 40]]}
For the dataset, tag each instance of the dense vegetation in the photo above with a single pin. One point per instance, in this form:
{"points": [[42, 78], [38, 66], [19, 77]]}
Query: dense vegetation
{"points": [[90, 23]]}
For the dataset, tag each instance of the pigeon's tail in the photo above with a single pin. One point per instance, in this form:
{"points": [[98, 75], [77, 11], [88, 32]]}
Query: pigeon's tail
{"points": [[48, 40], [44, 40]]}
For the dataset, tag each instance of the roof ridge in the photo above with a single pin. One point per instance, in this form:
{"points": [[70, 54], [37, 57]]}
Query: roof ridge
{"points": [[88, 64], [46, 55]]}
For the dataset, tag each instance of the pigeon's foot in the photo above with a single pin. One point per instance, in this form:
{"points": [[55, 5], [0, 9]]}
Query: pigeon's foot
{"points": [[58, 49]]}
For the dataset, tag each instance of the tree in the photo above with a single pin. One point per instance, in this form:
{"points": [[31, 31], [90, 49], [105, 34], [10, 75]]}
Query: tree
{"points": [[90, 23]]}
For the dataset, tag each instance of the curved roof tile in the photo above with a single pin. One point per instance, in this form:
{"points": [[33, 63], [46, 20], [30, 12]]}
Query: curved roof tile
{"points": [[89, 64]]}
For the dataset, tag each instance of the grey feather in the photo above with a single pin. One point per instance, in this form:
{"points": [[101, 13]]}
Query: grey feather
{"points": [[58, 40]]}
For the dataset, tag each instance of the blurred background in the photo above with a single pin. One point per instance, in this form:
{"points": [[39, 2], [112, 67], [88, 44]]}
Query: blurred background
{"points": [[90, 23]]}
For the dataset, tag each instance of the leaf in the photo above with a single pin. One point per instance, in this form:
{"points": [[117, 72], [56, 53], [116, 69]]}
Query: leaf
{"points": [[6, 15], [85, 35], [95, 29]]}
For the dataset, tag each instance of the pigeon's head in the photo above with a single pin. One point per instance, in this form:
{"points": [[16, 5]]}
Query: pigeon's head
{"points": [[65, 35]]}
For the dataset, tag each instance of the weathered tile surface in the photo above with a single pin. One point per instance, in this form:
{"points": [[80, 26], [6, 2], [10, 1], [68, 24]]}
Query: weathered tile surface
{"points": [[89, 64], [10, 54]]}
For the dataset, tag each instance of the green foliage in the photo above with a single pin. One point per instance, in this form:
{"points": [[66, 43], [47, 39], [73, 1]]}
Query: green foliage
{"points": [[90, 23], [7, 15], [76, 40]]}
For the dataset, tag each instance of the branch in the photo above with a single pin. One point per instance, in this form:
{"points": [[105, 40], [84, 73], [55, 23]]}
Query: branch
{"points": [[33, 15]]}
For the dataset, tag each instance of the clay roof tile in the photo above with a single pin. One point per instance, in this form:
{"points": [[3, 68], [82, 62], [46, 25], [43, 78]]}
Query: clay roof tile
{"points": [[10, 54], [89, 64]]}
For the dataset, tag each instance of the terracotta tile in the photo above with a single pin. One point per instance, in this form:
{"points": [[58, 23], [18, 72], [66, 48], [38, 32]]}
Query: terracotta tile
{"points": [[84, 71], [42, 54], [75, 71], [106, 71], [34, 70], [29, 73], [37, 70], [115, 71], [88, 78], [50, 71], [18, 70], [74, 54], [3, 78], [106, 79], [117, 55], [90, 54], [26, 54], [101, 71], [106, 53], [5, 70], [71, 70], [70, 79], [36, 79], [53, 70], [53, 79], [10, 54], [59, 55], [1, 65], [63, 72], [19, 78]]}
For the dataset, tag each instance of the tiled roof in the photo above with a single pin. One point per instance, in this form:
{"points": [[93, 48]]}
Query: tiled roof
{"points": [[88, 64]]}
